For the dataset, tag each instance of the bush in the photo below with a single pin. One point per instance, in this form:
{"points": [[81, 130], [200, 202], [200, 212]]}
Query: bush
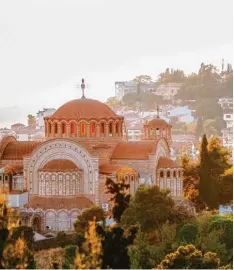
{"points": [[69, 256], [187, 233]]}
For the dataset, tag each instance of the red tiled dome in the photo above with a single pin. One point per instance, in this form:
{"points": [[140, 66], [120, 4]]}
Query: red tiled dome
{"points": [[84, 108], [160, 123]]}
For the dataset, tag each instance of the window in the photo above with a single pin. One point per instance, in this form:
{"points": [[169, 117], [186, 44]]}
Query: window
{"points": [[93, 128], [110, 129], [117, 129], [161, 174], [102, 128], [49, 128], [73, 128], [168, 173], [0, 177], [157, 131], [228, 116], [82, 128], [63, 128], [55, 128], [174, 174], [178, 173]]}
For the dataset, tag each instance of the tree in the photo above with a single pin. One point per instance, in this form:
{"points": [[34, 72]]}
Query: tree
{"points": [[115, 248], [226, 187], [208, 189], [69, 256], [120, 198], [150, 208], [18, 256], [187, 233], [91, 257], [199, 127], [26, 233], [82, 222], [188, 257]]}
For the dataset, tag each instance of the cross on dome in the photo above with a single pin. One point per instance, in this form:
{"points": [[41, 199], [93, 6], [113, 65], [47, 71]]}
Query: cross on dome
{"points": [[158, 110], [82, 86]]}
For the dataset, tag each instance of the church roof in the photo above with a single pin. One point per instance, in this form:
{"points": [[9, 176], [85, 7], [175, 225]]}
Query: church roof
{"points": [[165, 162], [83, 108], [158, 123], [109, 168], [59, 165], [58, 203], [134, 150], [15, 150]]}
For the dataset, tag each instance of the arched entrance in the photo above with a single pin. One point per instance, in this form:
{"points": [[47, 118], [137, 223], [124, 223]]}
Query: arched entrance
{"points": [[36, 224]]}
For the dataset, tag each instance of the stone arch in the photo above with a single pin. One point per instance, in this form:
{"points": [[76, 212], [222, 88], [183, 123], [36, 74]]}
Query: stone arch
{"points": [[50, 220], [60, 149], [63, 220], [36, 223]]}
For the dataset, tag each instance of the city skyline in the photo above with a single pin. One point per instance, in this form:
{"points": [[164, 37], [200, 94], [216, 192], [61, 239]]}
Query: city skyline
{"points": [[43, 61]]}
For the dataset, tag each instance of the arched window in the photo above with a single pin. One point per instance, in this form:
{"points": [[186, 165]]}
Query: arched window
{"points": [[161, 174], [73, 128], [157, 131], [178, 173], [110, 129], [46, 128], [82, 129], [63, 128], [168, 173], [92, 128], [102, 130], [117, 129], [49, 128], [55, 128], [174, 173]]}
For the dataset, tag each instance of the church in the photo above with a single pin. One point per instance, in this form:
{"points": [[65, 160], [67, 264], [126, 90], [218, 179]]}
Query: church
{"points": [[85, 143]]}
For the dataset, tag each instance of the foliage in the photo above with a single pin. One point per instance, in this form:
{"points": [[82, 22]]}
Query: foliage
{"points": [[115, 248], [120, 197], [82, 222], [47, 258], [226, 226], [226, 187], [188, 257], [69, 256], [26, 233], [187, 233], [150, 208], [17, 255], [92, 247]]}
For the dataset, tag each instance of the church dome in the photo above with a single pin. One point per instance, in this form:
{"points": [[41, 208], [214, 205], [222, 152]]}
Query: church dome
{"points": [[83, 108], [159, 123]]}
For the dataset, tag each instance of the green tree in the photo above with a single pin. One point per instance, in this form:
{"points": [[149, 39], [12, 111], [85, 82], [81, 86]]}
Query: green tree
{"points": [[150, 208], [120, 198], [187, 233], [188, 257], [199, 127], [115, 248], [69, 256], [26, 233], [226, 187], [82, 222], [208, 188]]}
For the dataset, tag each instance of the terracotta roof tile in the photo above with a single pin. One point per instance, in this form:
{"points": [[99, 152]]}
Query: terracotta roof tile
{"points": [[165, 162], [59, 165], [134, 150], [109, 168], [83, 108], [58, 203], [15, 150]]}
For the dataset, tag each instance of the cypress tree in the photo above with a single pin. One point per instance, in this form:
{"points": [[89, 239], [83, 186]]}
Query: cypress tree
{"points": [[207, 186], [204, 186], [199, 127]]}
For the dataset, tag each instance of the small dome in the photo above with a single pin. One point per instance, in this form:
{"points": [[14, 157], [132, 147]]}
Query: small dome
{"points": [[83, 108], [159, 123]]}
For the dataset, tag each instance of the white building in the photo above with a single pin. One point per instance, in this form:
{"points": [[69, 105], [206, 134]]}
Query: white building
{"points": [[168, 90], [228, 117], [226, 102], [41, 114], [227, 137]]}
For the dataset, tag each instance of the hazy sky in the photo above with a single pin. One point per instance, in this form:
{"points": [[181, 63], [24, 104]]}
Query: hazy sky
{"points": [[46, 47]]}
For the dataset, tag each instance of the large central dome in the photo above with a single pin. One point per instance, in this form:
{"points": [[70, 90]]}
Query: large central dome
{"points": [[84, 108]]}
